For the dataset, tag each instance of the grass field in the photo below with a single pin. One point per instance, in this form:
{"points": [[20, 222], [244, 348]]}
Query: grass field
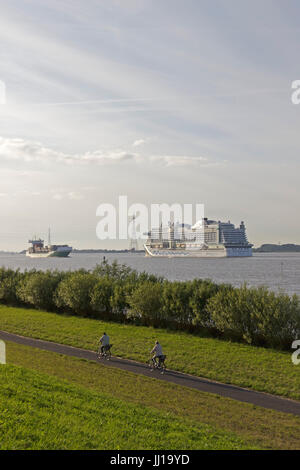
{"points": [[41, 412], [258, 427], [258, 368]]}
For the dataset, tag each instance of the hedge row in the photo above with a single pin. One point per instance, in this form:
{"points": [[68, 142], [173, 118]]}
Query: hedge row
{"points": [[118, 293]]}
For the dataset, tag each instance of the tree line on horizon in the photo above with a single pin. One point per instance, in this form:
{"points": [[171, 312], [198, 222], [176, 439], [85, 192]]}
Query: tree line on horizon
{"points": [[115, 292]]}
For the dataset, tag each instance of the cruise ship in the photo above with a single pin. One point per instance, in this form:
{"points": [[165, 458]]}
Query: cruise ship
{"points": [[39, 250], [206, 239]]}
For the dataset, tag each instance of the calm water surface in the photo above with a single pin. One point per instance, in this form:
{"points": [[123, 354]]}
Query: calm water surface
{"points": [[275, 270]]}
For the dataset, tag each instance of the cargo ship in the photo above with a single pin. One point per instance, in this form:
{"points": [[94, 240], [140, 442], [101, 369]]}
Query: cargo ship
{"points": [[39, 250], [206, 239]]}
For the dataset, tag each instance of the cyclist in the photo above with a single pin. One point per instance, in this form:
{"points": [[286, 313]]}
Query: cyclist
{"points": [[158, 353], [104, 340]]}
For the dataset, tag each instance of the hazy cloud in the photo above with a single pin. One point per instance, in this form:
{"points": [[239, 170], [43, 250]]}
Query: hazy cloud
{"points": [[179, 160], [28, 151], [75, 196], [57, 197], [139, 142]]}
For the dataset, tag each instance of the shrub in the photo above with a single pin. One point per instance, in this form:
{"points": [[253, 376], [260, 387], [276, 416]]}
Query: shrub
{"points": [[176, 306], [101, 295], [114, 271], [37, 289], [201, 292], [256, 315], [145, 304], [74, 292], [9, 281], [119, 300]]}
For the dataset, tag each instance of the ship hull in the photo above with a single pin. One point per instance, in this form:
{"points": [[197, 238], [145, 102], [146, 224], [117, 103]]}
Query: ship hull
{"points": [[231, 252], [50, 254]]}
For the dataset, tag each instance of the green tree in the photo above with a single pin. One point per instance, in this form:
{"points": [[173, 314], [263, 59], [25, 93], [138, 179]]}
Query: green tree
{"points": [[176, 306], [256, 315], [119, 300], [37, 288], [201, 291], [115, 270], [74, 292], [101, 296], [145, 304], [9, 281]]}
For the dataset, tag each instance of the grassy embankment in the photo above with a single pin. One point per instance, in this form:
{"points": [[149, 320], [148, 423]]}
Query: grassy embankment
{"points": [[42, 412], [258, 368], [89, 408]]}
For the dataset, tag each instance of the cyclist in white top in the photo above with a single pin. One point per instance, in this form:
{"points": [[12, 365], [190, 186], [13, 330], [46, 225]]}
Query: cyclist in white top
{"points": [[158, 352], [104, 340]]}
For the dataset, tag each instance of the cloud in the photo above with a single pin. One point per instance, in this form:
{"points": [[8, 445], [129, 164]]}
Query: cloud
{"points": [[179, 160], [139, 142], [95, 101], [75, 196], [57, 197], [101, 157], [63, 194], [29, 151]]}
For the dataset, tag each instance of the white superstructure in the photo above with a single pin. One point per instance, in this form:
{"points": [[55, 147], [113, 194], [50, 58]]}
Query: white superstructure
{"points": [[207, 238]]}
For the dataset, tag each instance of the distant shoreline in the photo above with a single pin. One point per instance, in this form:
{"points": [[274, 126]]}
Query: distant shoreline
{"points": [[272, 248], [265, 248]]}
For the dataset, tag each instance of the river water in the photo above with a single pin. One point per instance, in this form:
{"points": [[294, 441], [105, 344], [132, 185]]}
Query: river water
{"points": [[275, 270]]}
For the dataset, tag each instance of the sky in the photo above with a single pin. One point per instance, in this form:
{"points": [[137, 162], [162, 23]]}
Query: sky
{"points": [[163, 101]]}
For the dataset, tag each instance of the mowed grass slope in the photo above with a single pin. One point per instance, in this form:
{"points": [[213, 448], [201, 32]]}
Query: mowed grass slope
{"points": [[41, 412], [248, 366], [257, 426]]}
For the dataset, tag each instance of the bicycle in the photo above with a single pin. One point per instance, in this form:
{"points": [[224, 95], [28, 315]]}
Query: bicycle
{"points": [[106, 354], [159, 365]]}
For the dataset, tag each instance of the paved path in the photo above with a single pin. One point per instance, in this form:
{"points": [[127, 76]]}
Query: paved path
{"points": [[264, 400]]}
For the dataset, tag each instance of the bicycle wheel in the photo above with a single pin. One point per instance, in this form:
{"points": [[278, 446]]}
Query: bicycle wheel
{"points": [[99, 355], [151, 364]]}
